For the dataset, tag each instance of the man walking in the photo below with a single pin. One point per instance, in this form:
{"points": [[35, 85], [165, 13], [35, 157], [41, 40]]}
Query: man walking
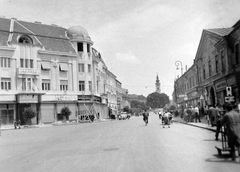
{"points": [[197, 116], [232, 122]]}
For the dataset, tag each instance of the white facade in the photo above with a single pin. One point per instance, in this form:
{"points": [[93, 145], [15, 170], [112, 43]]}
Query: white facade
{"points": [[49, 67]]}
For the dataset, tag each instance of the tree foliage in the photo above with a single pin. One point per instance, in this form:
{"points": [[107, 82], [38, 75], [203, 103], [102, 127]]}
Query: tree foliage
{"points": [[138, 105], [65, 111], [29, 113], [156, 100]]}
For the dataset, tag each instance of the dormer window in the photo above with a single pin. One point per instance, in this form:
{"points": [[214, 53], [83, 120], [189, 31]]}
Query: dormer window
{"points": [[24, 39]]}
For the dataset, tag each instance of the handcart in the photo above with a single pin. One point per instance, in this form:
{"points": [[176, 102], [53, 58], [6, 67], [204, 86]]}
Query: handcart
{"points": [[225, 147]]}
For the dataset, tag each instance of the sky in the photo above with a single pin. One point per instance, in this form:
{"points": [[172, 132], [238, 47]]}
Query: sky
{"points": [[137, 39]]}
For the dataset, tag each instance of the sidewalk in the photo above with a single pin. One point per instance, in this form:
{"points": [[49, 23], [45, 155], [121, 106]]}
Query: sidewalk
{"points": [[204, 124], [11, 127]]}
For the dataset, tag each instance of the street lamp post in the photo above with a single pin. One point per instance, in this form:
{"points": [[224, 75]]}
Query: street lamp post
{"points": [[177, 63]]}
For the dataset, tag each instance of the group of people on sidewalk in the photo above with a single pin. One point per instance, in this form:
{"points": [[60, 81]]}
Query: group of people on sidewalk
{"points": [[225, 118], [192, 114]]}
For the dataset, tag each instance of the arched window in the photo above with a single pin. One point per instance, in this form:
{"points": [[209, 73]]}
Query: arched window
{"points": [[25, 40]]}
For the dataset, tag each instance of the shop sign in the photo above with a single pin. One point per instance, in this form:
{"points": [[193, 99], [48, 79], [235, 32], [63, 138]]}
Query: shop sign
{"points": [[66, 98], [7, 98], [221, 85], [231, 81], [229, 99], [28, 98]]}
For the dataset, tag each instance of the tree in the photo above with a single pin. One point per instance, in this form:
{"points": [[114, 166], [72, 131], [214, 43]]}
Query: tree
{"points": [[156, 100], [126, 109], [66, 112], [28, 114]]}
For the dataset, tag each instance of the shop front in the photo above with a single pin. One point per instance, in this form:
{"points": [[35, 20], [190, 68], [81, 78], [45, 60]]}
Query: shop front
{"points": [[53, 104], [7, 109], [26, 100]]}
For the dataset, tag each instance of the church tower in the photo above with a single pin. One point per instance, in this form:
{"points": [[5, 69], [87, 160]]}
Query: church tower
{"points": [[158, 84]]}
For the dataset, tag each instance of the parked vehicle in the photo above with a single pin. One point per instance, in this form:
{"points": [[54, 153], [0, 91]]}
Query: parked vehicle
{"points": [[123, 116]]}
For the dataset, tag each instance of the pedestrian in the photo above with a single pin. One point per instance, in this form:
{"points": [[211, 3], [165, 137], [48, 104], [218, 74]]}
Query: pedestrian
{"points": [[197, 116], [212, 115], [185, 116], [15, 124], [18, 123], [218, 120], [145, 117], [232, 122], [189, 114]]}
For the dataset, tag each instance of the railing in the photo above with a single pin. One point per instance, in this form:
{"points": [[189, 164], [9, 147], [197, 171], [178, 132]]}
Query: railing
{"points": [[27, 71]]}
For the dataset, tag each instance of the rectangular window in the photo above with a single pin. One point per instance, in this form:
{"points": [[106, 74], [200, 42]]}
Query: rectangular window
{"points": [[236, 49], [22, 63], [90, 85], [80, 46], [204, 72], [5, 84], [5, 62], [81, 86], [63, 85], [210, 68], [223, 61], [217, 70], [31, 63], [29, 84], [81, 67], [46, 84], [89, 68], [23, 83], [26, 63], [88, 48]]}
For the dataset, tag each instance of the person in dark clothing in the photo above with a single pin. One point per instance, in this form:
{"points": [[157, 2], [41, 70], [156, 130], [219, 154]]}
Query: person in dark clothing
{"points": [[145, 117], [218, 121], [232, 122]]}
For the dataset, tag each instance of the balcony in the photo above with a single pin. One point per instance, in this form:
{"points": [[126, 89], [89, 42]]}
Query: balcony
{"points": [[27, 71]]}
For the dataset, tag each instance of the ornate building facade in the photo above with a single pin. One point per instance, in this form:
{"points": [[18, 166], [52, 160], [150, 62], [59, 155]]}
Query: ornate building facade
{"points": [[48, 67]]}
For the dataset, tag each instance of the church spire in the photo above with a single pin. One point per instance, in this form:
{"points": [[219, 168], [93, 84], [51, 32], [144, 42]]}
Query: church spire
{"points": [[158, 89]]}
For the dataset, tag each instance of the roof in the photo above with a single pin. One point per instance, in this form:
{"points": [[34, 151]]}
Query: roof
{"points": [[51, 37], [220, 31]]}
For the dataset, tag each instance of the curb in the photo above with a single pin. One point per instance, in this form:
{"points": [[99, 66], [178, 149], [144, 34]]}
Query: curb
{"points": [[214, 130], [51, 125]]}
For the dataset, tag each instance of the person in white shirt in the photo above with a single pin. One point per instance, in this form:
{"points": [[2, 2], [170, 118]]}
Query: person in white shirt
{"points": [[197, 116]]}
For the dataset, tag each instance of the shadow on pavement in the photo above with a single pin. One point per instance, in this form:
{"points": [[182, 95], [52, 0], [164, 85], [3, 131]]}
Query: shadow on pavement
{"points": [[210, 140], [224, 158]]}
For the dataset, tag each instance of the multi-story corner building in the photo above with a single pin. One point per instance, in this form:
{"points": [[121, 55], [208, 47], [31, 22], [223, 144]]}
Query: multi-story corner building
{"points": [[216, 68], [48, 67]]}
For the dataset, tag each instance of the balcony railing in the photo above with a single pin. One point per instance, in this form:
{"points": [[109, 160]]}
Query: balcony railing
{"points": [[27, 71]]}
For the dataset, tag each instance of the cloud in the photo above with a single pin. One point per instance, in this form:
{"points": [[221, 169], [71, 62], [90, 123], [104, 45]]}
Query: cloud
{"points": [[128, 58]]}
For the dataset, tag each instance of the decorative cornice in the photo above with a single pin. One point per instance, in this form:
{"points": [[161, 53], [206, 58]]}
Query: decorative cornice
{"points": [[7, 48], [57, 53]]}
